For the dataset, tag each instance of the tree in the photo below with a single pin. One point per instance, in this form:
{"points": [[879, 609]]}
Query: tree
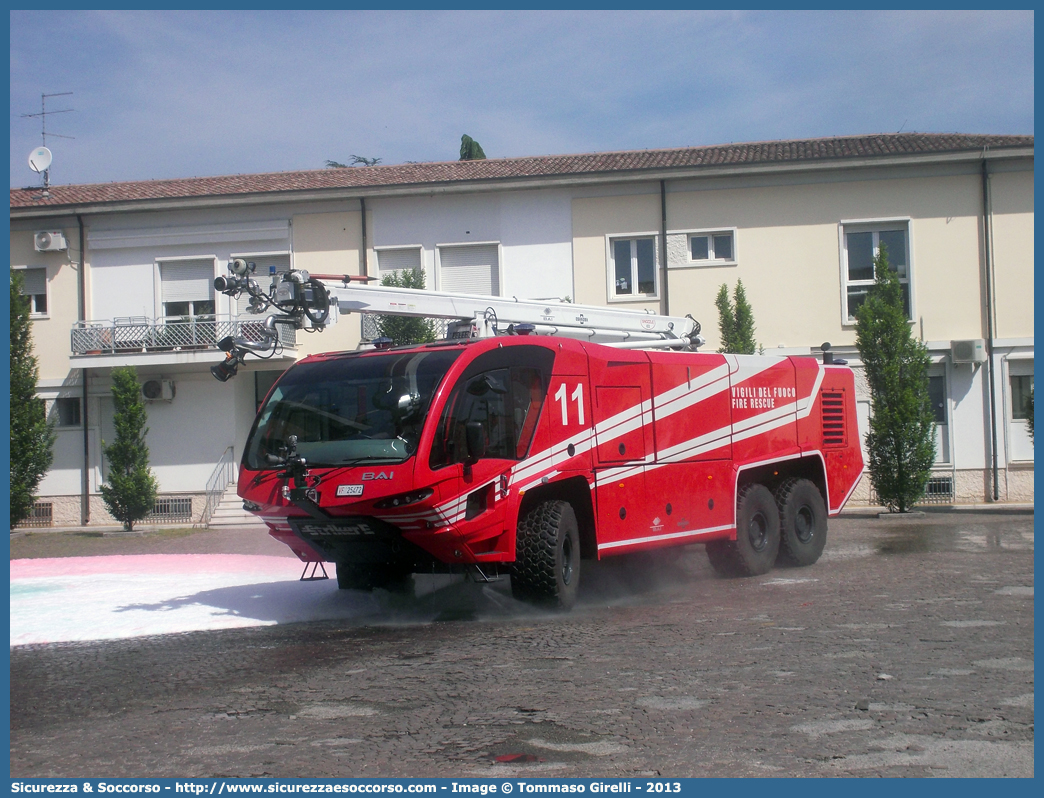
{"points": [[901, 440], [357, 160], [470, 150], [735, 321], [405, 329], [32, 438], [131, 492]]}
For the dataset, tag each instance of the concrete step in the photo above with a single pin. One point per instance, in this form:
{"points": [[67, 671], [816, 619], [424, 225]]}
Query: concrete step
{"points": [[230, 512]]}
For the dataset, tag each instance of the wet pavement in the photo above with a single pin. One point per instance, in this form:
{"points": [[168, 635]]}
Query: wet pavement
{"points": [[906, 651]]}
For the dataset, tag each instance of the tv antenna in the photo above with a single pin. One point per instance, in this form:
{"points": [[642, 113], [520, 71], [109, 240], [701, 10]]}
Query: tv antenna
{"points": [[39, 155]]}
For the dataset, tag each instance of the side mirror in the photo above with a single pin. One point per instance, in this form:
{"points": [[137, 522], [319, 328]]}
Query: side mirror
{"points": [[475, 440]]}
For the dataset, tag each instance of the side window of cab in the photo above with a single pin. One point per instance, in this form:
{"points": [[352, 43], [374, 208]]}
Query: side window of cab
{"points": [[503, 392]]}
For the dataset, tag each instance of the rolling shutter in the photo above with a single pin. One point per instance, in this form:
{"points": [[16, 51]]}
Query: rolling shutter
{"points": [[394, 260], [187, 280], [34, 281], [470, 269]]}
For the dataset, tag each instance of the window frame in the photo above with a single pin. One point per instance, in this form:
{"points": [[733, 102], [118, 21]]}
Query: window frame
{"points": [[938, 369], [709, 233], [33, 312], [875, 227], [610, 271], [57, 414], [461, 245], [161, 309], [418, 248], [1015, 365]]}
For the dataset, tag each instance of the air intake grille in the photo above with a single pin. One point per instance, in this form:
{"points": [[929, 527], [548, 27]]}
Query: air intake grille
{"points": [[834, 418]]}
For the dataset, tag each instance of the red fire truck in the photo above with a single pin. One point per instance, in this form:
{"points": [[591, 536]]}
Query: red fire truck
{"points": [[525, 454]]}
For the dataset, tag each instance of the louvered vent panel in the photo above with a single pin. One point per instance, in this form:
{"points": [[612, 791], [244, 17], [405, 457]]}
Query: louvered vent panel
{"points": [[834, 418]]}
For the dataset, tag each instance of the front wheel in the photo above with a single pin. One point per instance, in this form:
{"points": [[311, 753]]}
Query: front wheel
{"points": [[547, 556], [802, 520]]}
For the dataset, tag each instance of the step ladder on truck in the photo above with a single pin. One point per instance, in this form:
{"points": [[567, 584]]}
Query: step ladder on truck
{"points": [[536, 436]]}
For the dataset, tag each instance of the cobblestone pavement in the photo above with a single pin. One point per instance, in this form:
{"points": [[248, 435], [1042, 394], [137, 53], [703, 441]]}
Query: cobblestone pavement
{"points": [[906, 651]]}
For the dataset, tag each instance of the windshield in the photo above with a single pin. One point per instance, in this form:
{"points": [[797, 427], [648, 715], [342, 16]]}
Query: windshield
{"points": [[348, 411]]}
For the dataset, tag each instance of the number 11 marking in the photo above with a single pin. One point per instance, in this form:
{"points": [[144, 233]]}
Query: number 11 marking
{"points": [[577, 396]]}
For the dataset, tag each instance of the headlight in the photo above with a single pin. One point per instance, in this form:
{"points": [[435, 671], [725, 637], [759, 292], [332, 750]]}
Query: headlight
{"points": [[403, 499]]}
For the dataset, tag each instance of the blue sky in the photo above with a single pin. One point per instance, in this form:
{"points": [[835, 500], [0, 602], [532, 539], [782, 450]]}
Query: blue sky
{"points": [[193, 93]]}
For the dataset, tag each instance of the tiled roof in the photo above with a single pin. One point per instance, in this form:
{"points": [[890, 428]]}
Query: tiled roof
{"points": [[630, 163]]}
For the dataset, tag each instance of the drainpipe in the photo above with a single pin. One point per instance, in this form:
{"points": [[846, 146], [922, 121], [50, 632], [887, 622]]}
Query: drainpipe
{"points": [[365, 265], [988, 266], [85, 480], [663, 246]]}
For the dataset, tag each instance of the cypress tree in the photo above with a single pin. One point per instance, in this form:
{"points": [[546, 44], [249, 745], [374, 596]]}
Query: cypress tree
{"points": [[406, 329], [470, 150], [32, 438], [131, 492], [735, 321], [726, 319], [900, 443]]}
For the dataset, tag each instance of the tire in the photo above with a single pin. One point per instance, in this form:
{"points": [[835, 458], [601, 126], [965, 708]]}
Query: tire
{"points": [[802, 522], [547, 557], [756, 546], [353, 576]]}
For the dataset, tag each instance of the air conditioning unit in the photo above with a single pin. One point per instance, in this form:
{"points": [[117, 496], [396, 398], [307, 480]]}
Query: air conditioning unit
{"points": [[973, 351], [49, 241], [156, 390]]}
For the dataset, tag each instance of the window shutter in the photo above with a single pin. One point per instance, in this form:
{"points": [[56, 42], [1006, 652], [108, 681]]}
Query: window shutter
{"points": [[393, 260], [187, 280], [470, 269], [34, 281], [261, 275]]}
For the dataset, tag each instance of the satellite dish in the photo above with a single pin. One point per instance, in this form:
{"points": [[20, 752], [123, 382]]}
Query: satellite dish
{"points": [[40, 159]]}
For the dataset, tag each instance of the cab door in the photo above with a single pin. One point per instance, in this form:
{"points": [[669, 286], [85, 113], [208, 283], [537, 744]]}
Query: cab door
{"points": [[502, 394]]}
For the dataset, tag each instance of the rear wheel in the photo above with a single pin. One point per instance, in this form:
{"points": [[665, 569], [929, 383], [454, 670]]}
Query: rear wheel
{"points": [[802, 520], [547, 556], [754, 550], [364, 576]]}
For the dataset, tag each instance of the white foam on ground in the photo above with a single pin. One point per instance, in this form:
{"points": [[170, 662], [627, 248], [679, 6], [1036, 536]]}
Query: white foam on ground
{"points": [[104, 598]]}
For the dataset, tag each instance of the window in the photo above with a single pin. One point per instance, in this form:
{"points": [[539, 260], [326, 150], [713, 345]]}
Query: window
{"points": [[1020, 385], [67, 411], [503, 391], [469, 269], [34, 286], [633, 268], [940, 411], [861, 245], [187, 287], [705, 248], [390, 261]]}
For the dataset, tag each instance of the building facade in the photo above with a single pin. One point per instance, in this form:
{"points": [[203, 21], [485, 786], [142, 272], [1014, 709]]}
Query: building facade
{"points": [[122, 274]]}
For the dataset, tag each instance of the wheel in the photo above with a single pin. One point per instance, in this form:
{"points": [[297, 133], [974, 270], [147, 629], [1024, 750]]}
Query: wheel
{"points": [[754, 550], [802, 522], [547, 556], [361, 576]]}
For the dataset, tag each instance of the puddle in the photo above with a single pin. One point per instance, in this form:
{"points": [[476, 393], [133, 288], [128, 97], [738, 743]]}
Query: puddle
{"points": [[919, 538]]}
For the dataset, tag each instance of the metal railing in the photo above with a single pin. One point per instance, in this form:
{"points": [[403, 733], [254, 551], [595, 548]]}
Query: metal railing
{"points": [[170, 334], [371, 331], [223, 475], [170, 509]]}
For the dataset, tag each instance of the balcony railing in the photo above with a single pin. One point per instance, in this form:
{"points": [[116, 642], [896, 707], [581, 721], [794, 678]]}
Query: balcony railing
{"points": [[171, 334]]}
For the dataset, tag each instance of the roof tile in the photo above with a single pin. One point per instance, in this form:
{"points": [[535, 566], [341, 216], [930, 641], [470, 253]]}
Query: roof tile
{"points": [[449, 172]]}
